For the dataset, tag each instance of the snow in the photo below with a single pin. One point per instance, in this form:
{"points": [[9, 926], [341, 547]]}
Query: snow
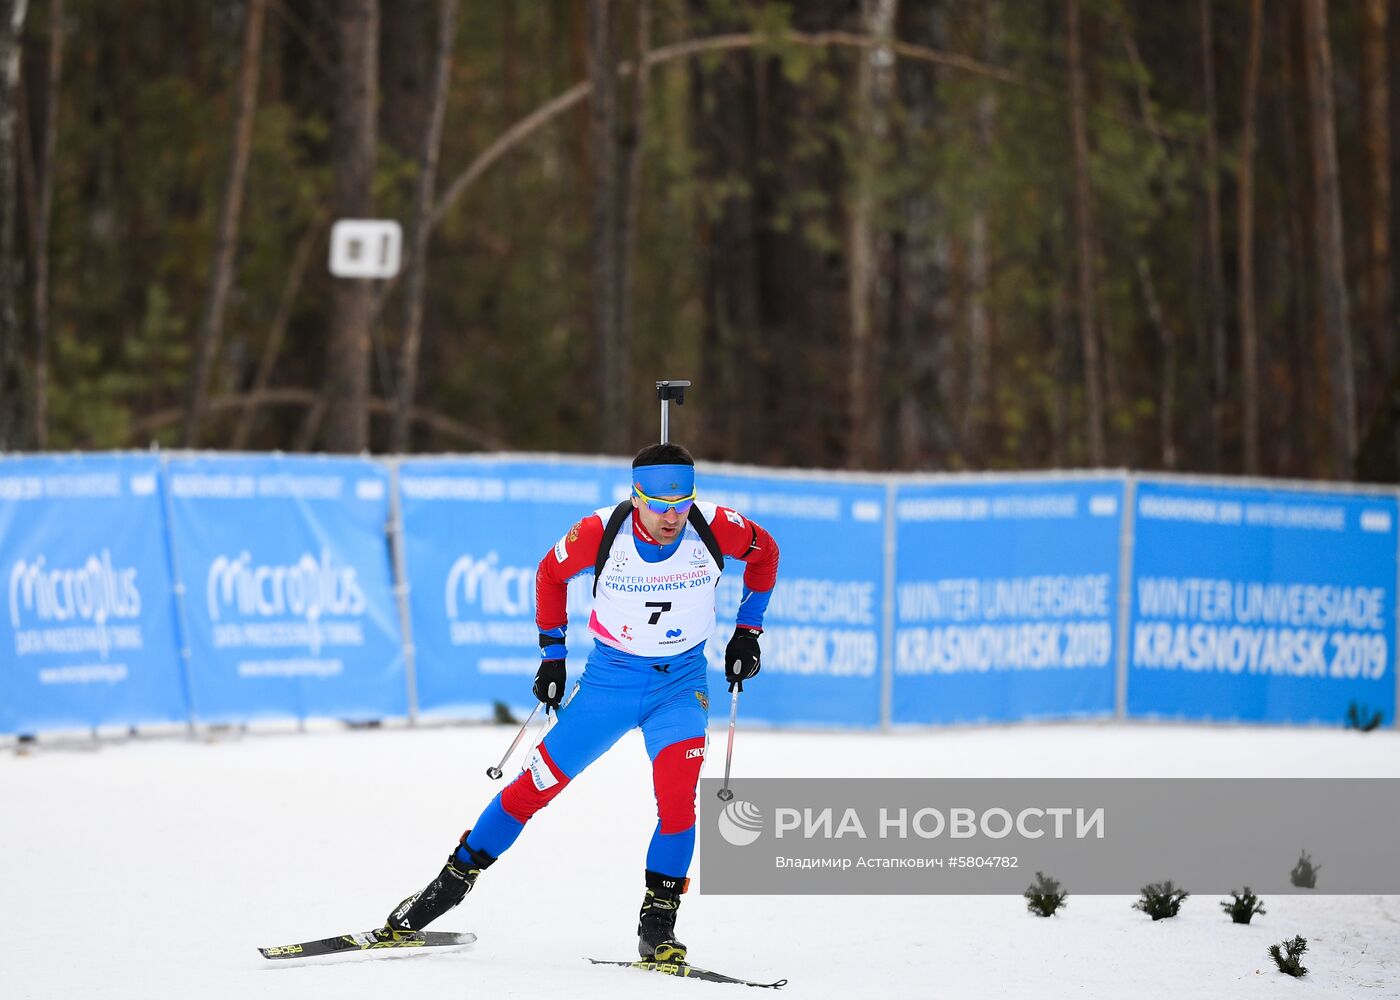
{"points": [[152, 867]]}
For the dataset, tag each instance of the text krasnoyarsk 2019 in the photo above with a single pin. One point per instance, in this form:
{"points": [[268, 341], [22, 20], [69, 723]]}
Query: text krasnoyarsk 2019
{"points": [[910, 835]]}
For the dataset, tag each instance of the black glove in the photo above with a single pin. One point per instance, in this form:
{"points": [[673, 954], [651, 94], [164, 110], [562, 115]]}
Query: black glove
{"points": [[741, 656], [549, 684]]}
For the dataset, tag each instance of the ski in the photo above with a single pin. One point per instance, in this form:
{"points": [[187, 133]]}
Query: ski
{"points": [[687, 971], [364, 941]]}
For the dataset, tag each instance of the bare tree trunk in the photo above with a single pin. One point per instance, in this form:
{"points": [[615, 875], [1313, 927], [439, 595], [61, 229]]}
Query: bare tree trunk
{"points": [[310, 427], [630, 196], [1057, 410], [728, 132], [874, 80], [353, 138], [1249, 332], [938, 405], [1166, 417], [861, 267], [510, 62], [1215, 304], [1084, 232], [277, 330], [12, 13], [419, 229], [211, 325], [921, 328], [39, 226], [1327, 223], [612, 410], [1296, 416], [1392, 52], [579, 123], [406, 64], [979, 361], [1380, 322], [1166, 332]]}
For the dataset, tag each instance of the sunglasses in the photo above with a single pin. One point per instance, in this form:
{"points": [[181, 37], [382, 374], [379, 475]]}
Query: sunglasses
{"points": [[681, 506]]}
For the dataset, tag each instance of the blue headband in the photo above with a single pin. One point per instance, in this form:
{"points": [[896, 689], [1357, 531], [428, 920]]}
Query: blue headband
{"points": [[665, 480]]}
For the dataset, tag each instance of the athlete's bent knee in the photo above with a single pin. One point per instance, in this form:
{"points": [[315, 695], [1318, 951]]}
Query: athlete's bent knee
{"points": [[675, 773], [535, 787]]}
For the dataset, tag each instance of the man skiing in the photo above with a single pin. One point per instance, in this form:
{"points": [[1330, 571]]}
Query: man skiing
{"points": [[658, 559]]}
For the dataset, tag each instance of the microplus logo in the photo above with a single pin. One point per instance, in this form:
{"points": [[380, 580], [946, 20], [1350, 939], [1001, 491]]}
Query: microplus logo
{"points": [[309, 588], [95, 591], [495, 589]]}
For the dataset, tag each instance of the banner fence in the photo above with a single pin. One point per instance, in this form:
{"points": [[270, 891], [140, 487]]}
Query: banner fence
{"points": [[152, 588]]}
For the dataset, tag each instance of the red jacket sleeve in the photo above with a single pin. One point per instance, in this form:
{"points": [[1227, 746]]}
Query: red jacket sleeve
{"points": [[575, 552], [741, 538]]}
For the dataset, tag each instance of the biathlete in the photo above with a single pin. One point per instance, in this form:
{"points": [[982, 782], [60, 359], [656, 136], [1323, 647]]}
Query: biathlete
{"points": [[658, 559]]}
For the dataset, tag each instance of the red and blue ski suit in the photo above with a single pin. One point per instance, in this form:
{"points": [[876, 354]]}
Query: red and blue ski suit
{"points": [[653, 611]]}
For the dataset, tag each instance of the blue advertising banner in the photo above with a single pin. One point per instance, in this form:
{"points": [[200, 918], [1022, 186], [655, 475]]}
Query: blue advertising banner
{"points": [[474, 533], [88, 637], [476, 530], [1261, 605], [821, 636], [288, 599], [1006, 600]]}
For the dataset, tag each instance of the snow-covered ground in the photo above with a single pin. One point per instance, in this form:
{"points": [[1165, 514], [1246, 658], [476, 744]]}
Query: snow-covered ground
{"points": [[151, 868]]}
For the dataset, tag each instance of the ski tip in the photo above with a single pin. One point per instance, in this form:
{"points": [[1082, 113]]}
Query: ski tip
{"points": [[372, 943], [280, 951], [687, 971]]}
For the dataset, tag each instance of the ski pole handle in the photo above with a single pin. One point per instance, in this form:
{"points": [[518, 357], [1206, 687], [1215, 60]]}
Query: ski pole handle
{"points": [[724, 793], [549, 720], [495, 773]]}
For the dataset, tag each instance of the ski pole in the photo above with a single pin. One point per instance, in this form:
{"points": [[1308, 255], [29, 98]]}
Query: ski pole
{"points": [[724, 793], [495, 773]]}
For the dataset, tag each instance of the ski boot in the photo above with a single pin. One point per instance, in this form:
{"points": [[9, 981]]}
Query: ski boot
{"points": [[656, 930], [442, 893]]}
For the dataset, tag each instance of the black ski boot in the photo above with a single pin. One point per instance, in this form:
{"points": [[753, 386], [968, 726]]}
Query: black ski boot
{"points": [[656, 931], [441, 894]]}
